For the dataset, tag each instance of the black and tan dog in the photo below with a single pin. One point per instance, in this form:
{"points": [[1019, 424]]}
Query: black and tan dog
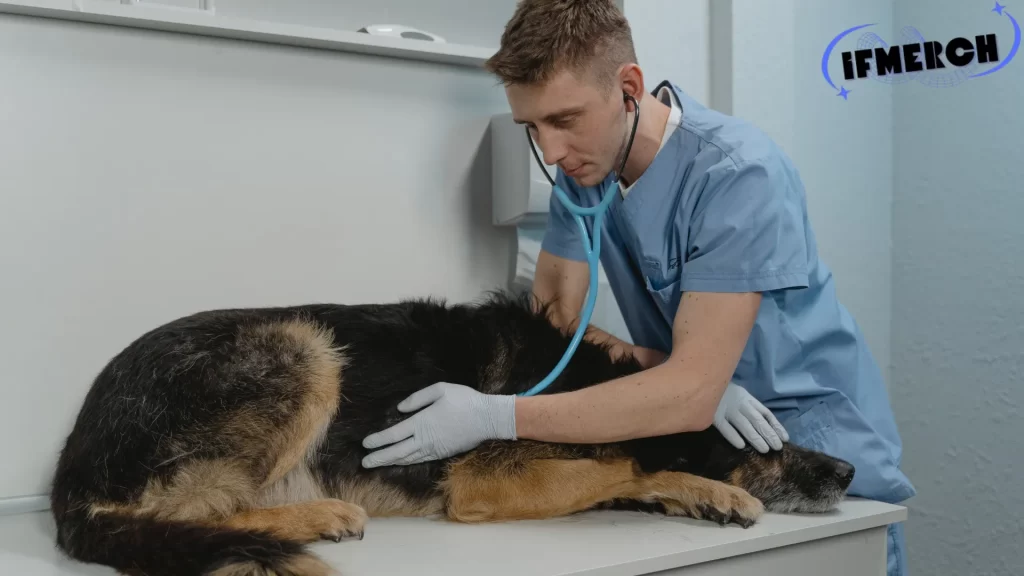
{"points": [[223, 442]]}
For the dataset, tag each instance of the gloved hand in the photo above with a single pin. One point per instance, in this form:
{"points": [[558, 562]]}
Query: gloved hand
{"points": [[454, 418], [756, 422]]}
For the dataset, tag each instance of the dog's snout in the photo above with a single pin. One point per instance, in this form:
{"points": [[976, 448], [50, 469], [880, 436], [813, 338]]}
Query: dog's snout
{"points": [[844, 471]]}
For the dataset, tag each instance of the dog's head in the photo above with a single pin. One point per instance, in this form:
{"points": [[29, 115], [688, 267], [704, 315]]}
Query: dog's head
{"points": [[793, 479]]}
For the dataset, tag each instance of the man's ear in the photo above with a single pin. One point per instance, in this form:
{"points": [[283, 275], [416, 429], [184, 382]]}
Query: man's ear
{"points": [[631, 80]]}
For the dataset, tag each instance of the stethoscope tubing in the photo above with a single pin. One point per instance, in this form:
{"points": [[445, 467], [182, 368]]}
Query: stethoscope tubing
{"points": [[592, 248]]}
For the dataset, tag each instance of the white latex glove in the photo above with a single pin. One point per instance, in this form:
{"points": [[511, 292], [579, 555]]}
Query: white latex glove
{"points": [[452, 419], [739, 410]]}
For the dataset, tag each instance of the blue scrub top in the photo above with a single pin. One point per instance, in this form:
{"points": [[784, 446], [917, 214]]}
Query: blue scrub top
{"points": [[723, 209]]}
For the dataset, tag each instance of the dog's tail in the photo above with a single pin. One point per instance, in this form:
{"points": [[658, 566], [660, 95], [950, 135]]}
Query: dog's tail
{"points": [[148, 546]]}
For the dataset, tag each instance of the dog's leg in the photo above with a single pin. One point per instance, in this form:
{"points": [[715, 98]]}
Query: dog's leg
{"points": [[486, 487], [304, 522], [684, 494], [290, 501]]}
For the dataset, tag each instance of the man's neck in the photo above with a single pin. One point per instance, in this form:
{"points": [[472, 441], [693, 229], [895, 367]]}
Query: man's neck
{"points": [[653, 117]]}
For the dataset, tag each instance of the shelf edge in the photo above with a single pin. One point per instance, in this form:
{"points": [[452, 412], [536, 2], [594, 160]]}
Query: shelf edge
{"points": [[208, 24]]}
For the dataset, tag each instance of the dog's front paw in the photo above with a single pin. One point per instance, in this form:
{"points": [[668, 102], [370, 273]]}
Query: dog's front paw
{"points": [[724, 504], [735, 505]]}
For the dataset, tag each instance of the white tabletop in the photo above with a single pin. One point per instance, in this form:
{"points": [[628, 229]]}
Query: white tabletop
{"points": [[605, 543]]}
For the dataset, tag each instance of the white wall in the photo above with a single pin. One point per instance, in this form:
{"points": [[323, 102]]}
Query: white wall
{"points": [[150, 175], [842, 149], [671, 41], [915, 196], [446, 18], [958, 316]]}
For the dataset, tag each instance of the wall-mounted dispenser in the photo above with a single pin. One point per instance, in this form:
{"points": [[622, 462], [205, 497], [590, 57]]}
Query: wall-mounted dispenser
{"points": [[521, 196], [520, 192]]}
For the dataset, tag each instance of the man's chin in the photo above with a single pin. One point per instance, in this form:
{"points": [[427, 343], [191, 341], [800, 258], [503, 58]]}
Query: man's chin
{"points": [[586, 179]]}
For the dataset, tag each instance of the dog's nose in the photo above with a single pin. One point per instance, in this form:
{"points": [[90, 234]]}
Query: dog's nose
{"points": [[844, 471]]}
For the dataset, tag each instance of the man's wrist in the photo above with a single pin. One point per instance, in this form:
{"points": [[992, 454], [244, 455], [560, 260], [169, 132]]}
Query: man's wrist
{"points": [[522, 412], [501, 414]]}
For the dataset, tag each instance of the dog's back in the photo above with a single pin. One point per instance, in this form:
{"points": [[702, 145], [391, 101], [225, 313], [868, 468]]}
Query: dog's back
{"points": [[220, 443]]}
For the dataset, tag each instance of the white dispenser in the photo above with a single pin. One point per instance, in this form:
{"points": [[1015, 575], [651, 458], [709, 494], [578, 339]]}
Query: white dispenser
{"points": [[520, 192]]}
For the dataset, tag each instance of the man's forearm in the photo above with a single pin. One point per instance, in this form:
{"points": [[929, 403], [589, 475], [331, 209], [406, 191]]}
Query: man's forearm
{"points": [[666, 399]]}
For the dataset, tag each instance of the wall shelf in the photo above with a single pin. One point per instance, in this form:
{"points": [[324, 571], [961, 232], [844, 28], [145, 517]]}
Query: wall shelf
{"points": [[207, 23]]}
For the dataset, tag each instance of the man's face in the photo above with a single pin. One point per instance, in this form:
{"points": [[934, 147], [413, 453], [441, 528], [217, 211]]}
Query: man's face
{"points": [[574, 123]]}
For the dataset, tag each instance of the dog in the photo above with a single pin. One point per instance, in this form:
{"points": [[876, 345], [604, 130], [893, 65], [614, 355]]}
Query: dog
{"points": [[224, 442]]}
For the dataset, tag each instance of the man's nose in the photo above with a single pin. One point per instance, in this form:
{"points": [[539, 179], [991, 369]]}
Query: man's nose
{"points": [[552, 147]]}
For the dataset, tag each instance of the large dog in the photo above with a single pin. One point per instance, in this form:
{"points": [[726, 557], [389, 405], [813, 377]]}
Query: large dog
{"points": [[223, 442]]}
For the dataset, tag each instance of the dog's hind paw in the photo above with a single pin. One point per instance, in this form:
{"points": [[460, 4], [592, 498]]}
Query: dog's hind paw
{"points": [[338, 520], [339, 536]]}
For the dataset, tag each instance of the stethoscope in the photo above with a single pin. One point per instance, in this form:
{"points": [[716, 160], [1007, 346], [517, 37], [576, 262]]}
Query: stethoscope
{"points": [[592, 248]]}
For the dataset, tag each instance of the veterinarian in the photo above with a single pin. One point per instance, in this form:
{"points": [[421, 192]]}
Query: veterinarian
{"points": [[712, 260]]}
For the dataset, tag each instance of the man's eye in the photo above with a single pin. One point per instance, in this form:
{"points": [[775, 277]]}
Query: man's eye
{"points": [[565, 122]]}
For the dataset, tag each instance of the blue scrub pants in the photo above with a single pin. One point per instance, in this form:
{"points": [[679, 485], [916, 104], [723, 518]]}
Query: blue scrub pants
{"points": [[897, 555]]}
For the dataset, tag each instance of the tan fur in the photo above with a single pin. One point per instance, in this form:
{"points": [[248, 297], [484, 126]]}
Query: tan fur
{"points": [[201, 489], [319, 367], [298, 485], [204, 489], [381, 500], [305, 522], [544, 488], [757, 475], [688, 495], [306, 565]]}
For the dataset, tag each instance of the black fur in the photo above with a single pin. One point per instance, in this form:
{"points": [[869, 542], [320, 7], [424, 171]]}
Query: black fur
{"points": [[146, 546], [190, 375]]}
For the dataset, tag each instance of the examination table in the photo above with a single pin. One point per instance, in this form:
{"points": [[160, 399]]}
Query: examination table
{"points": [[848, 542]]}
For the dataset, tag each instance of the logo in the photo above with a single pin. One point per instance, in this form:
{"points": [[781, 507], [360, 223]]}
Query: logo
{"points": [[930, 62]]}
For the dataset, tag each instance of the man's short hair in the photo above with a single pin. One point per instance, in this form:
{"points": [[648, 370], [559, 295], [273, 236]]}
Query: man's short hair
{"points": [[586, 37]]}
